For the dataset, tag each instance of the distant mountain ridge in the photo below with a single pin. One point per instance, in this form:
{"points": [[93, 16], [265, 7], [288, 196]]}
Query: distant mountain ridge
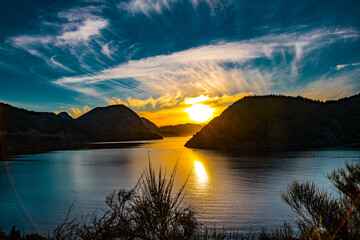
{"points": [[23, 131], [280, 122], [151, 126], [187, 129]]}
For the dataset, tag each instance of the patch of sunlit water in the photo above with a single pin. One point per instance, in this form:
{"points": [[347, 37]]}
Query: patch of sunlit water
{"points": [[201, 175]]}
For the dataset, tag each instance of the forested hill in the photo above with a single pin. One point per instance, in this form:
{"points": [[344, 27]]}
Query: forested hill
{"points": [[281, 122], [23, 131]]}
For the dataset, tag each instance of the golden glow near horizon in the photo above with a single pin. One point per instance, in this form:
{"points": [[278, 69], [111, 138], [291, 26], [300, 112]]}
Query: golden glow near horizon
{"points": [[200, 172], [195, 100], [200, 112], [173, 109]]}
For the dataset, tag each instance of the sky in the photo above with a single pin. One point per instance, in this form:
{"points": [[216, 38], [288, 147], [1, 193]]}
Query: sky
{"points": [[159, 57]]}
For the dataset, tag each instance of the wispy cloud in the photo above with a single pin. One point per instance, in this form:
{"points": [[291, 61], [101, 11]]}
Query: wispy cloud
{"points": [[83, 33], [158, 6], [168, 100], [26, 40], [224, 68], [77, 112], [70, 35], [116, 101], [106, 50], [69, 29], [146, 6], [342, 66], [331, 86], [198, 99], [192, 70], [60, 65], [79, 14]]}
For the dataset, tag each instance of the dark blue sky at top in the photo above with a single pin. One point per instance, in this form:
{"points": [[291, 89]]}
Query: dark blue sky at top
{"points": [[55, 55]]}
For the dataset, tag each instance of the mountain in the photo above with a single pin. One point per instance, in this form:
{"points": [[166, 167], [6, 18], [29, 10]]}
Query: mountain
{"points": [[64, 115], [23, 131], [151, 126], [114, 123], [187, 129], [280, 122]]}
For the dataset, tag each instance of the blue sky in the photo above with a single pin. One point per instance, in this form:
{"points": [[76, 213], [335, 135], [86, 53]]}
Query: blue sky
{"points": [[153, 54]]}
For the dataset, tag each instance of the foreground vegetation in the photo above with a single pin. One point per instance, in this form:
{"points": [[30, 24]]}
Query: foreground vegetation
{"points": [[151, 210]]}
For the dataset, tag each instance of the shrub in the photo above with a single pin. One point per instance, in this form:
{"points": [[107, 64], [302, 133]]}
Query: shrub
{"points": [[284, 232], [321, 215], [16, 235], [151, 210], [148, 211]]}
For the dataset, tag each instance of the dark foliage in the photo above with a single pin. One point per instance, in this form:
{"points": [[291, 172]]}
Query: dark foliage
{"points": [[148, 211], [23, 131], [284, 232], [323, 214], [16, 235], [279, 122]]}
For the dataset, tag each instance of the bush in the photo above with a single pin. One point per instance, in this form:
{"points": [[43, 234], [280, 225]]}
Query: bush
{"points": [[284, 232], [151, 210], [16, 235], [321, 215], [148, 211]]}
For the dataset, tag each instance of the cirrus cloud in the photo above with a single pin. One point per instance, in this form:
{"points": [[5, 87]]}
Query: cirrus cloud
{"points": [[223, 68]]}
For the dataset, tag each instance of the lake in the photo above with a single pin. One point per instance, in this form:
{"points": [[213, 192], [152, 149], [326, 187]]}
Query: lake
{"points": [[226, 190]]}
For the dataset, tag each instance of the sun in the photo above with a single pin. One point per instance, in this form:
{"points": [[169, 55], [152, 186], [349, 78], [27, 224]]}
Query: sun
{"points": [[200, 112]]}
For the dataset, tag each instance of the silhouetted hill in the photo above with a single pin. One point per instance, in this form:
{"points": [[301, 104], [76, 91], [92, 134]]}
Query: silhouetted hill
{"points": [[186, 129], [65, 115], [23, 131], [151, 126], [114, 123], [279, 122]]}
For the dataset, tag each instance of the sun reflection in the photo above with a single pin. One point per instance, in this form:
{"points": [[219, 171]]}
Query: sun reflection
{"points": [[201, 174]]}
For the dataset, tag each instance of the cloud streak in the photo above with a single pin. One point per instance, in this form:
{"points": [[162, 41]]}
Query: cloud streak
{"points": [[343, 66], [148, 7], [224, 68], [88, 29], [76, 112], [84, 31]]}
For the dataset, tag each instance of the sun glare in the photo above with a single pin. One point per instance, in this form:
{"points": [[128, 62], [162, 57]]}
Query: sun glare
{"points": [[200, 112]]}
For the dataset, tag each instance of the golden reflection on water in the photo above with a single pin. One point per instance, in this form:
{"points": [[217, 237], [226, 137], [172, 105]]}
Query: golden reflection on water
{"points": [[201, 175], [168, 153]]}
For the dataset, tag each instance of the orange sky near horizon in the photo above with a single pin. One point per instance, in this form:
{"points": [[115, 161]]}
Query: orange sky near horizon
{"points": [[177, 109], [173, 109]]}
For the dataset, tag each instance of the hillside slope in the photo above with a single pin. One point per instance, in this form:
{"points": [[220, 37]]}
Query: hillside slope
{"points": [[23, 131], [114, 123], [279, 122], [151, 126]]}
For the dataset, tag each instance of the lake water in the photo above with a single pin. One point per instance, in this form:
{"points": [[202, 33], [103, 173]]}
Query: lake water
{"points": [[227, 190]]}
